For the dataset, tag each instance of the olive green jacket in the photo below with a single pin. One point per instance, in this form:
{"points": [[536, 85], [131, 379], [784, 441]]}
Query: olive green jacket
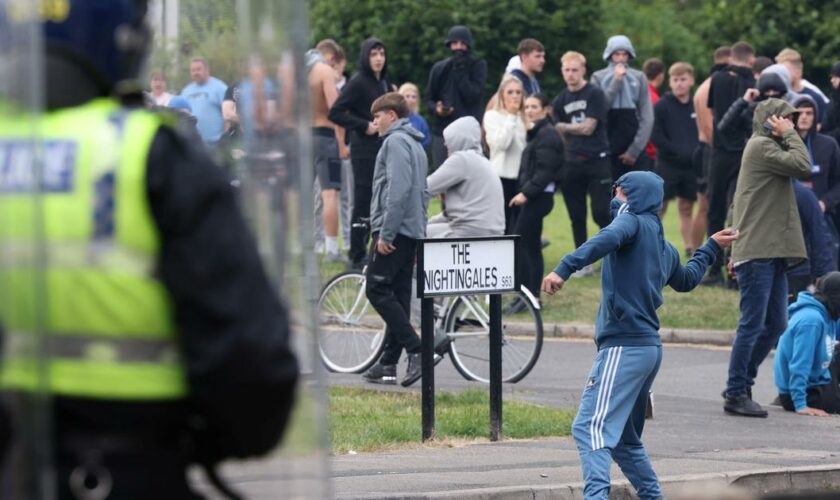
{"points": [[764, 208]]}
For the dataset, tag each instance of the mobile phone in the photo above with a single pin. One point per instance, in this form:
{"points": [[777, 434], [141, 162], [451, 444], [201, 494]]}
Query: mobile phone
{"points": [[768, 127]]}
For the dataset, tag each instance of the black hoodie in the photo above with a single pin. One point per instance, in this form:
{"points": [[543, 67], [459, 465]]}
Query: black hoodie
{"points": [[458, 81], [352, 108]]}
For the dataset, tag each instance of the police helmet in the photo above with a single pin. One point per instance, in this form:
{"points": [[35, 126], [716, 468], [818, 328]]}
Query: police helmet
{"points": [[109, 38]]}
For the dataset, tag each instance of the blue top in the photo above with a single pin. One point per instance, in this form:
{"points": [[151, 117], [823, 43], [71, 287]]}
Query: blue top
{"points": [[819, 242], [246, 107], [638, 263], [805, 349], [206, 103], [419, 123]]}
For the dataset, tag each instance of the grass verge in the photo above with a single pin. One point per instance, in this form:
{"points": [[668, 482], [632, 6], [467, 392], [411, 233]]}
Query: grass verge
{"points": [[703, 308], [367, 420]]}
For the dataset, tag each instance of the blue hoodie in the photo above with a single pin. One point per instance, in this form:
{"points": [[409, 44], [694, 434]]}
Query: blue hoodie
{"points": [[638, 263], [805, 349]]}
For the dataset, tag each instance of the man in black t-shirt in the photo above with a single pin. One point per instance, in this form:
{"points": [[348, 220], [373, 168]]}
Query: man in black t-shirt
{"points": [[727, 146], [580, 112]]}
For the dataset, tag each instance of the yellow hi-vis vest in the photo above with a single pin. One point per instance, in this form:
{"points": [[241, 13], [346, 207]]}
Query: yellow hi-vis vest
{"points": [[90, 285]]}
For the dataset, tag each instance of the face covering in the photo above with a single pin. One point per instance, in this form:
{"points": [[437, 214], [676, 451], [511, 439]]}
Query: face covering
{"points": [[615, 206]]}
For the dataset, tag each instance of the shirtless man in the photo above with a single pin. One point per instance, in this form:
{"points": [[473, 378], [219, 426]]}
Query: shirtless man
{"points": [[705, 127], [323, 93]]}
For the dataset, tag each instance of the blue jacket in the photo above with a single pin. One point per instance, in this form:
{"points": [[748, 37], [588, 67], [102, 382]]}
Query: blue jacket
{"points": [[819, 242], [805, 349], [419, 123], [638, 263]]}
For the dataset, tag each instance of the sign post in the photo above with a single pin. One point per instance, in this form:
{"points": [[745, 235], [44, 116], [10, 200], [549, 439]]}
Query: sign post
{"points": [[464, 266]]}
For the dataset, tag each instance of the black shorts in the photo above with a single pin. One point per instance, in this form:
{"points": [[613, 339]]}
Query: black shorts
{"points": [[679, 181], [326, 158], [702, 161]]}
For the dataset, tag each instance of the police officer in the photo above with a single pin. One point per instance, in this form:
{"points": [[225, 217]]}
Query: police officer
{"points": [[166, 344]]}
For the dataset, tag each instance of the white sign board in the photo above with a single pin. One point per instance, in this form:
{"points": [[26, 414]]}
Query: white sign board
{"points": [[460, 266]]}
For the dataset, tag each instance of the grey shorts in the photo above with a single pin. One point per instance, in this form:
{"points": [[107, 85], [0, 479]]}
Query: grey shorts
{"points": [[326, 158]]}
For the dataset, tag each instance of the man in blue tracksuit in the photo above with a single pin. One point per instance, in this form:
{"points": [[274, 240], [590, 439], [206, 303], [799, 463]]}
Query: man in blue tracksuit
{"points": [[804, 372], [637, 265]]}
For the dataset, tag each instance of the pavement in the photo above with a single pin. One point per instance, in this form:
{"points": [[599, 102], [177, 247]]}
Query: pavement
{"points": [[696, 449]]}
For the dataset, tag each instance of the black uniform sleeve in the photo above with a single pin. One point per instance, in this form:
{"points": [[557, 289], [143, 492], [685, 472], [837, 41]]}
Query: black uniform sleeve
{"points": [[233, 330]]}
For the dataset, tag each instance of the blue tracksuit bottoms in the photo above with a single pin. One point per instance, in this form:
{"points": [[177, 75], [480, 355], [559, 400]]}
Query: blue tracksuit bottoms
{"points": [[611, 418]]}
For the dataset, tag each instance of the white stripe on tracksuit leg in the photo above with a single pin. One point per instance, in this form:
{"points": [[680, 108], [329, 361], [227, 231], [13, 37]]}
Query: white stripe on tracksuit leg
{"points": [[599, 399], [609, 395], [605, 388]]}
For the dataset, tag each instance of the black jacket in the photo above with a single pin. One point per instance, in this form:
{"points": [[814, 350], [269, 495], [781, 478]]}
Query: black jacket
{"points": [[542, 159], [726, 87], [352, 108], [831, 121], [458, 81]]}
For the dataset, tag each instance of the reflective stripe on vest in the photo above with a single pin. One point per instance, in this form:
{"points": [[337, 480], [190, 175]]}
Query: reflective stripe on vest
{"points": [[110, 331]]}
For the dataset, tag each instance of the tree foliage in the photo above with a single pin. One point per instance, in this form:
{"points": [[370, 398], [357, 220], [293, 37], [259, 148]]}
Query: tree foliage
{"points": [[673, 30]]}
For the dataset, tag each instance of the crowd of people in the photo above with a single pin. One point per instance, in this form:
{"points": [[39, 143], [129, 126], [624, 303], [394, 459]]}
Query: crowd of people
{"points": [[751, 156]]}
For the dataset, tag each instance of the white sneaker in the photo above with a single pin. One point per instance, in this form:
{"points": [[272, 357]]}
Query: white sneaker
{"points": [[320, 249], [584, 273]]}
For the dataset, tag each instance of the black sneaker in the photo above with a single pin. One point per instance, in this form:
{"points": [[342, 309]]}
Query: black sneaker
{"points": [[381, 374], [414, 370], [744, 406]]}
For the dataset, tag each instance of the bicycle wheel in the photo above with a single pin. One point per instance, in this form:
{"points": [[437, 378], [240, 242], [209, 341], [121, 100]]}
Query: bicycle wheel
{"points": [[351, 333], [467, 325]]}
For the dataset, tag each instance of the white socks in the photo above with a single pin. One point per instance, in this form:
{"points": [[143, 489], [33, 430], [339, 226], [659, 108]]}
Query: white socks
{"points": [[331, 244]]}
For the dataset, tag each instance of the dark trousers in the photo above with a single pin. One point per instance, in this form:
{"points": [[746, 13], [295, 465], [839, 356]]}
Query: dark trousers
{"points": [[510, 188], [389, 292], [579, 178], [362, 191], [619, 168], [439, 152], [763, 287], [529, 226], [723, 175], [825, 397]]}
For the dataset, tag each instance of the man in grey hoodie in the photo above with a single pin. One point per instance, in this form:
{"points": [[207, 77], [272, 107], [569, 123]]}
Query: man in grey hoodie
{"points": [[397, 220], [474, 198], [630, 118]]}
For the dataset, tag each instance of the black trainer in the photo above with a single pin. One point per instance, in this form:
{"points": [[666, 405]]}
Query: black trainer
{"points": [[381, 374], [414, 370], [744, 406]]}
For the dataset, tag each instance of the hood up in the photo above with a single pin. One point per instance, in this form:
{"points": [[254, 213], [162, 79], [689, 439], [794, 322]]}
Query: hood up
{"points": [[464, 134], [644, 191], [364, 57], [618, 42], [768, 108]]}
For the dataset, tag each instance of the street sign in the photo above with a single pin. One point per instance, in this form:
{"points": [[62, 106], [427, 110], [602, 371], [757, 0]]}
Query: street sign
{"points": [[463, 266]]}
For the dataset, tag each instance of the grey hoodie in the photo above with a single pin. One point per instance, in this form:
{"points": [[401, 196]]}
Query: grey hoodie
{"points": [[398, 204], [630, 120], [474, 198]]}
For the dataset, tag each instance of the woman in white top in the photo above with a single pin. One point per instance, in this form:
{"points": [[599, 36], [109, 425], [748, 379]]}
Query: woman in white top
{"points": [[504, 128]]}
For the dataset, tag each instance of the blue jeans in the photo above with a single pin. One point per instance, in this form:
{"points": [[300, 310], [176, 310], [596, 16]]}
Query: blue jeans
{"points": [[763, 287]]}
